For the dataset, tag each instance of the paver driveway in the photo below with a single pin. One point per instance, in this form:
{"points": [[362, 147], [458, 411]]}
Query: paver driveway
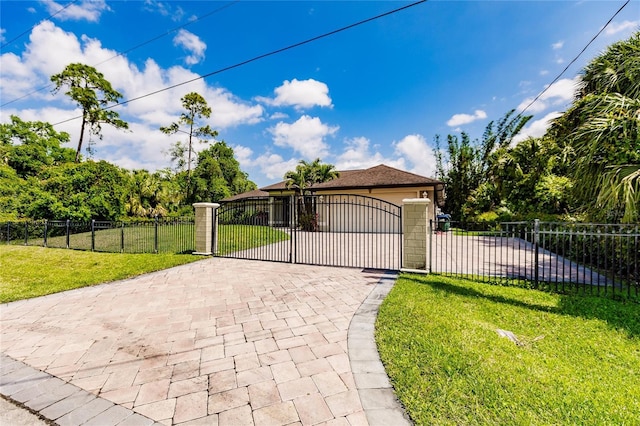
{"points": [[220, 341]]}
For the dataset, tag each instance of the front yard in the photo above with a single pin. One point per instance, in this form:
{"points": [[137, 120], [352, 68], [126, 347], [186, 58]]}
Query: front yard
{"points": [[577, 360], [27, 272]]}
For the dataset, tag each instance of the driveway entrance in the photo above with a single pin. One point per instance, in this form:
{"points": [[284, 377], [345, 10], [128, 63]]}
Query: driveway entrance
{"points": [[219, 341], [330, 230]]}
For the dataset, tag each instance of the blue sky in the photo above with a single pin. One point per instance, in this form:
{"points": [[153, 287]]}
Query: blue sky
{"points": [[377, 93]]}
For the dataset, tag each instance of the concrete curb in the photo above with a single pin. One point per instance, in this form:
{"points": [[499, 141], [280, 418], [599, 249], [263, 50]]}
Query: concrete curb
{"points": [[58, 401], [374, 388]]}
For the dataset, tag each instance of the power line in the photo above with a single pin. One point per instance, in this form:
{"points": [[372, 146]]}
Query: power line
{"points": [[574, 59], [193, 21], [34, 25], [257, 58]]}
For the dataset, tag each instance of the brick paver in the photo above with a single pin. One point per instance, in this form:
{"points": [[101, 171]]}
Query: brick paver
{"points": [[220, 341]]}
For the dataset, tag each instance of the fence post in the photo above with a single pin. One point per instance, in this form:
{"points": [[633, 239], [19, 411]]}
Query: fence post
{"points": [[122, 238], [93, 234], [26, 233], [292, 227], [214, 232], [155, 235], [68, 230], [430, 244], [536, 240], [8, 232], [46, 231]]}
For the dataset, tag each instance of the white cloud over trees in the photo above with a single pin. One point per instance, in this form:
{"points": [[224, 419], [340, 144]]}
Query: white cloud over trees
{"points": [[559, 93], [192, 44], [305, 136], [50, 49], [88, 10], [460, 119], [300, 94]]}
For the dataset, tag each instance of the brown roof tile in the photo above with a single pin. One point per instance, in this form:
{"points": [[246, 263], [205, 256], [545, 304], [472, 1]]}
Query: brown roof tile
{"points": [[256, 193], [380, 176]]}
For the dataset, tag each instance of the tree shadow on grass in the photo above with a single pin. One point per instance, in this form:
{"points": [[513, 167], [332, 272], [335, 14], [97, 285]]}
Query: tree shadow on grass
{"points": [[619, 314]]}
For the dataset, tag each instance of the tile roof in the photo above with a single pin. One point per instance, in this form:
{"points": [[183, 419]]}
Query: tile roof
{"points": [[256, 193], [380, 176]]}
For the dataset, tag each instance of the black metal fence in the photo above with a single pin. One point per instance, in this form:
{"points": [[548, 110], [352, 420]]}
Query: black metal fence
{"points": [[594, 258], [162, 235], [331, 230]]}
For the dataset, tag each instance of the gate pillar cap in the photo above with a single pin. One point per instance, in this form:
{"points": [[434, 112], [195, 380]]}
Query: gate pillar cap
{"points": [[416, 201], [214, 205]]}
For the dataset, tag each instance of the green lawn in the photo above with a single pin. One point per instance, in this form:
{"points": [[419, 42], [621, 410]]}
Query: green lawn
{"points": [[27, 272], [172, 238], [233, 238], [578, 362]]}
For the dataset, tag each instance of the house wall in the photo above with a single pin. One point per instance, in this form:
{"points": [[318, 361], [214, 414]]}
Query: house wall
{"points": [[337, 216], [350, 213], [345, 217], [391, 195]]}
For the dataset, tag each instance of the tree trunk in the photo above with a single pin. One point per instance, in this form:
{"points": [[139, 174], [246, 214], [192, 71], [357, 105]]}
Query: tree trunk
{"points": [[189, 161], [84, 115]]}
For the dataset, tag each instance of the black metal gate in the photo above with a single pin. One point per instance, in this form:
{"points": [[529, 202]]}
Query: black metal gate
{"points": [[329, 229]]}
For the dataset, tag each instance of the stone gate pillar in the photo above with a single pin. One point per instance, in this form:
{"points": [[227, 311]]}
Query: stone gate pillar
{"points": [[206, 228], [415, 226]]}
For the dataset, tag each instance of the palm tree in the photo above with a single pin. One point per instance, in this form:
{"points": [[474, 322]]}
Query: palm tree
{"points": [[601, 130], [324, 172], [307, 174], [304, 177]]}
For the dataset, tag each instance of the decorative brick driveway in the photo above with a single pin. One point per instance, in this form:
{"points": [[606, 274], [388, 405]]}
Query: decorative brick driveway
{"points": [[220, 341]]}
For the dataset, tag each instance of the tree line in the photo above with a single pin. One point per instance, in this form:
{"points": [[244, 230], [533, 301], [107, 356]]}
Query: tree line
{"points": [[585, 168], [42, 179]]}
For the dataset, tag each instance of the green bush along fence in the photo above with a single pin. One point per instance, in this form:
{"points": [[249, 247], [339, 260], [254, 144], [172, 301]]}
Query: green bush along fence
{"points": [[162, 235]]}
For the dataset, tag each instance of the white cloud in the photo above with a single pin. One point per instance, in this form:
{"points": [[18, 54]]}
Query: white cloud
{"points": [[50, 49], [50, 115], [300, 94], [558, 45], [357, 155], [459, 119], [243, 155], [557, 95], [411, 153], [536, 128], [278, 116], [2, 37], [88, 10], [544, 72], [273, 166], [192, 44], [164, 9], [305, 136], [415, 150], [617, 27]]}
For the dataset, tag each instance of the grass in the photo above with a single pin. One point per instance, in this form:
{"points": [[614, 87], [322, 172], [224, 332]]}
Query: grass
{"points": [[27, 272], [172, 238], [233, 238], [578, 362], [465, 233]]}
